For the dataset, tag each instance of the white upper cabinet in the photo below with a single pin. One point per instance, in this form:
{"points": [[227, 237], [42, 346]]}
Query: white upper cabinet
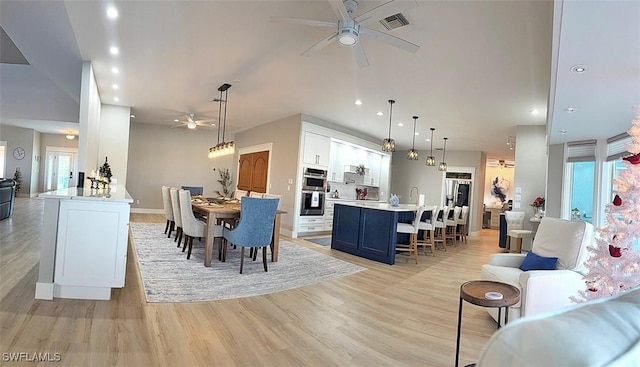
{"points": [[316, 149], [375, 164]]}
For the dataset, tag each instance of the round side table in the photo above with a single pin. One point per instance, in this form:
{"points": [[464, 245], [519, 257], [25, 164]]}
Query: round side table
{"points": [[475, 292]]}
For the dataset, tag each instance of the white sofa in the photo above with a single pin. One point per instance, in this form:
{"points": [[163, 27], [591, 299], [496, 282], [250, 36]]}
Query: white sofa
{"points": [[545, 290], [603, 332]]}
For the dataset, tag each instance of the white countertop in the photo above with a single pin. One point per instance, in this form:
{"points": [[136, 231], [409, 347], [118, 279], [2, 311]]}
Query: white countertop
{"points": [[380, 206], [115, 193], [348, 199]]}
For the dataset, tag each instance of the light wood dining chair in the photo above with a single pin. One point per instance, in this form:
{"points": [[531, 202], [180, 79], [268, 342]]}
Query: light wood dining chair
{"points": [[239, 194], [255, 194]]}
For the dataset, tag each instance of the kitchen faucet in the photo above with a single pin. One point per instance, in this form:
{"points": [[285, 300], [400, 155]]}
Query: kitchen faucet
{"points": [[417, 194]]}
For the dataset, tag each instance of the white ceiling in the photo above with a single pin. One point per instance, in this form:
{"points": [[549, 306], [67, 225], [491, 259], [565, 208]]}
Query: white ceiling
{"points": [[481, 66]]}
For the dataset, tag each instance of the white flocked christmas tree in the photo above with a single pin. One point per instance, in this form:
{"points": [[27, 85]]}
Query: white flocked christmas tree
{"points": [[614, 265]]}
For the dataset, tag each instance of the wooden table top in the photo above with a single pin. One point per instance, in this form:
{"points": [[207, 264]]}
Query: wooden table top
{"points": [[226, 208], [474, 292]]}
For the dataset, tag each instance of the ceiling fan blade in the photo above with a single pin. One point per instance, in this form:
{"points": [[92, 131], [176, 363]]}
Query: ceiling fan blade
{"points": [[384, 10], [390, 40], [360, 55], [340, 10], [313, 23], [321, 44]]}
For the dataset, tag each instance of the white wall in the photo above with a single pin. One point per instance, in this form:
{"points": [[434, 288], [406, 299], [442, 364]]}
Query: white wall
{"points": [[531, 167], [89, 127], [24, 138], [35, 164], [114, 140], [160, 155], [429, 181]]}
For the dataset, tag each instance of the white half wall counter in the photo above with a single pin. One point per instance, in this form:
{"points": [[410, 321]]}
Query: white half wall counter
{"points": [[84, 243]]}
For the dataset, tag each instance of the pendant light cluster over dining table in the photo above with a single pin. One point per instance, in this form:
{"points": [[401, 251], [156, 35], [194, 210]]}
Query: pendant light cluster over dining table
{"points": [[412, 154], [222, 148], [389, 145]]}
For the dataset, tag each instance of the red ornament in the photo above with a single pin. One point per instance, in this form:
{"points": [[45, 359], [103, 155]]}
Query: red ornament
{"points": [[634, 159], [617, 201], [614, 251]]}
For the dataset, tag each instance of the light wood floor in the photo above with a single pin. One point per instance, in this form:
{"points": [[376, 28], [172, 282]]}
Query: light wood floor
{"points": [[400, 315]]}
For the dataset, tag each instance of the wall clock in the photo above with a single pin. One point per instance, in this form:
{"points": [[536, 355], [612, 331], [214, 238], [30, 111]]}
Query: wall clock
{"points": [[18, 153]]}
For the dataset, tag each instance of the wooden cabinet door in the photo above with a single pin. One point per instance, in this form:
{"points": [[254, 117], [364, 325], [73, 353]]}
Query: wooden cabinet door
{"points": [[245, 168], [252, 171], [260, 171]]}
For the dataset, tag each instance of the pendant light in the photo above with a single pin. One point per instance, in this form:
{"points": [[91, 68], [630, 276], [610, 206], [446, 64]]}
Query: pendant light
{"points": [[222, 148], [389, 145], [412, 154], [443, 165], [431, 160]]}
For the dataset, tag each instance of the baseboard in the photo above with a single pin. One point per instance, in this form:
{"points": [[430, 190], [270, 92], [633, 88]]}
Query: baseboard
{"points": [[474, 234], [147, 211]]}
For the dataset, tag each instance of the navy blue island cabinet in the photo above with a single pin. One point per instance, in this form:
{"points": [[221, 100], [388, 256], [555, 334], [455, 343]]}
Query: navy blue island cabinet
{"points": [[368, 230]]}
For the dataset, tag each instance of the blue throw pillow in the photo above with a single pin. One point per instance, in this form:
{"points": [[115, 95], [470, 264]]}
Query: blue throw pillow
{"points": [[537, 262]]}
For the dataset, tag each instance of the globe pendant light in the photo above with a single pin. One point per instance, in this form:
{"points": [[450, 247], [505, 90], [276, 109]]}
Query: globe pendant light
{"points": [[389, 145], [443, 165], [412, 154], [431, 160]]}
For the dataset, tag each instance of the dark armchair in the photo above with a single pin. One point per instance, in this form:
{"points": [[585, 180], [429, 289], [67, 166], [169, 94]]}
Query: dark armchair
{"points": [[7, 195]]}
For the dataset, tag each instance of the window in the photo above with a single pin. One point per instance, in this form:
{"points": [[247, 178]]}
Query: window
{"points": [[582, 186]]}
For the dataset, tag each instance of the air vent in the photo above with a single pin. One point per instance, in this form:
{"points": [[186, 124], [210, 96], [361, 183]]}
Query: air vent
{"points": [[394, 21]]}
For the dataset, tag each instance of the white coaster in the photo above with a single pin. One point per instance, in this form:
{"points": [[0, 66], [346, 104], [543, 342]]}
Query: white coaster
{"points": [[493, 295]]}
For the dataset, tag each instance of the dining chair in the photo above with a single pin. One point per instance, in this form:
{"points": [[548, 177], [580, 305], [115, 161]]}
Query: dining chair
{"points": [[515, 229], [168, 210], [412, 229], [255, 229], [273, 196], [255, 194], [191, 227], [194, 190], [428, 226], [239, 194], [175, 205]]}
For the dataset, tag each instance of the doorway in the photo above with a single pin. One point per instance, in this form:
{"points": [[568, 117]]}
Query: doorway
{"points": [[61, 167]]}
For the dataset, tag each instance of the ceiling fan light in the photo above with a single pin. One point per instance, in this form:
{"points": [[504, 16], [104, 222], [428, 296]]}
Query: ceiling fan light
{"points": [[70, 136], [348, 35], [191, 125]]}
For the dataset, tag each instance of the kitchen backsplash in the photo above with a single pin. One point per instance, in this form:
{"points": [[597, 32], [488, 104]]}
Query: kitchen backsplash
{"points": [[348, 191]]}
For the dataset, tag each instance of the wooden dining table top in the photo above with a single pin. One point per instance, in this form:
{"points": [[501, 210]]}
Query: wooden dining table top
{"points": [[226, 208]]}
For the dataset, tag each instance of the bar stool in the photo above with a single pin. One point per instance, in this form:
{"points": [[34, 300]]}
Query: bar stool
{"points": [[440, 225], [411, 228], [428, 226], [462, 223], [452, 225], [515, 225]]}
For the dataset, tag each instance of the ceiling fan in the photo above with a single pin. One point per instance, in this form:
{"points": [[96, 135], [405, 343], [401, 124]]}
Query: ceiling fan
{"points": [[502, 163], [192, 123], [348, 29]]}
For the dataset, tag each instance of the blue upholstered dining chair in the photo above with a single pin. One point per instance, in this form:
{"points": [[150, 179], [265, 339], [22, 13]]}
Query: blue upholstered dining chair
{"points": [[255, 228]]}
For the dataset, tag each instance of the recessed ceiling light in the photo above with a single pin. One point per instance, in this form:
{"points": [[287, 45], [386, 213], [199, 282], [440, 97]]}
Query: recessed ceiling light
{"points": [[116, 99], [358, 102], [427, 139], [379, 113], [176, 120], [416, 133], [115, 70], [114, 50], [400, 124], [112, 12], [570, 109], [578, 68], [534, 111], [133, 116], [563, 131], [115, 86]]}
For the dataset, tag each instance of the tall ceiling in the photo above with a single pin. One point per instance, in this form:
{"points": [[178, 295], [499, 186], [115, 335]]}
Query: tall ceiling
{"points": [[481, 67]]}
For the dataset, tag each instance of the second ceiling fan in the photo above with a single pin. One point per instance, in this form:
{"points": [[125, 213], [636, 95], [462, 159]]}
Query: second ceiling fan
{"points": [[350, 28]]}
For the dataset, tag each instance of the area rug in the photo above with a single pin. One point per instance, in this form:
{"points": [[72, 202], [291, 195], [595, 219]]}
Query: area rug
{"points": [[168, 276], [322, 241]]}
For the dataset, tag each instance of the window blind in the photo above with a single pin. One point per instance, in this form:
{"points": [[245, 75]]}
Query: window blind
{"points": [[581, 151], [616, 146]]}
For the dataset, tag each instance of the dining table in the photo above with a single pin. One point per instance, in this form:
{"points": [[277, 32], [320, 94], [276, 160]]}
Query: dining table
{"points": [[215, 213]]}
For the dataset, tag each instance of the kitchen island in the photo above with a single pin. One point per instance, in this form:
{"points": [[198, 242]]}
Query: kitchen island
{"points": [[83, 247], [368, 229]]}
